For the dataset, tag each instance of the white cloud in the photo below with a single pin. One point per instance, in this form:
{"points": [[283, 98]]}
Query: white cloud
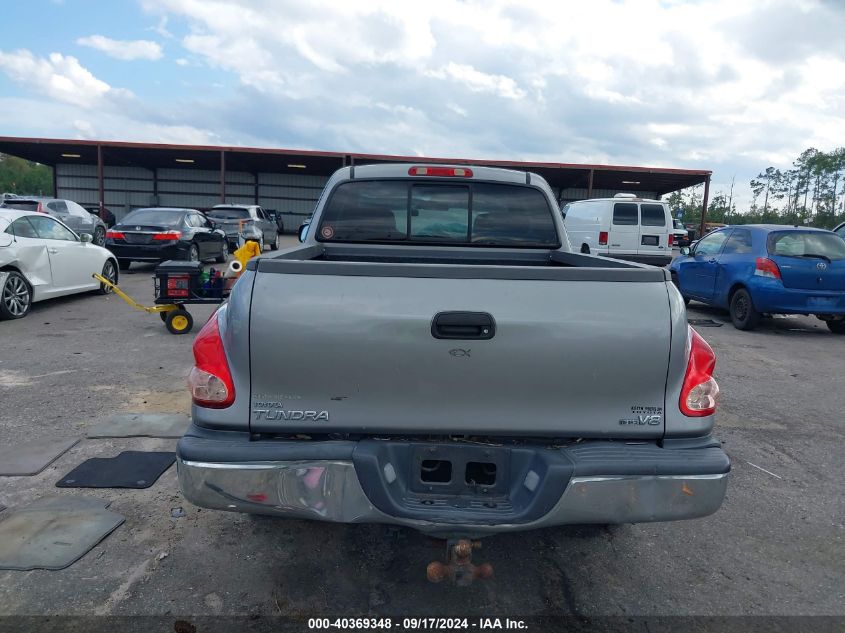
{"points": [[32, 117], [477, 81], [123, 49], [724, 85], [58, 76], [161, 27]]}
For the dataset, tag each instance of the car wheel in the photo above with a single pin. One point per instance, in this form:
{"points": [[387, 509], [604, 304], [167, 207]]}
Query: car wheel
{"points": [[585, 249], [261, 244], [110, 273], [15, 297], [124, 264], [179, 321], [837, 326], [743, 313], [194, 253], [99, 236], [276, 243], [224, 253]]}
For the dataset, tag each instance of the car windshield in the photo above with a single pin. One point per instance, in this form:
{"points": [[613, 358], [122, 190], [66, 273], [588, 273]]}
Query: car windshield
{"points": [[812, 244], [228, 214], [157, 217], [467, 214]]}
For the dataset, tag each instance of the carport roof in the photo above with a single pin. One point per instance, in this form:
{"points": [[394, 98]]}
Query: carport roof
{"points": [[254, 159]]}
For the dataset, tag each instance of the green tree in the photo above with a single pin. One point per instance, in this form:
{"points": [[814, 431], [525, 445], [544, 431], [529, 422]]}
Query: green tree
{"points": [[25, 177]]}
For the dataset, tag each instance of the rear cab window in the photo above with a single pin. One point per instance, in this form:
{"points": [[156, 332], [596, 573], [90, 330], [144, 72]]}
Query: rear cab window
{"points": [[433, 213], [811, 244]]}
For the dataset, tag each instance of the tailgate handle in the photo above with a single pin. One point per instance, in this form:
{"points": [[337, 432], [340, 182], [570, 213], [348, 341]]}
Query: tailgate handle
{"points": [[463, 325]]}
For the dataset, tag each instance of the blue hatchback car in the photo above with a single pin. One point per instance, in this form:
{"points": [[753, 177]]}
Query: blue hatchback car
{"points": [[758, 269]]}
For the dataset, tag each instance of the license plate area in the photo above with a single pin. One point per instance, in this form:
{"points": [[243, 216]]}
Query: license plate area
{"points": [[650, 240], [457, 483], [822, 302], [459, 470], [138, 238]]}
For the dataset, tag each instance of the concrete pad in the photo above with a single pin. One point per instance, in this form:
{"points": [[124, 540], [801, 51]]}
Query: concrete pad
{"points": [[30, 458], [54, 532], [167, 425]]}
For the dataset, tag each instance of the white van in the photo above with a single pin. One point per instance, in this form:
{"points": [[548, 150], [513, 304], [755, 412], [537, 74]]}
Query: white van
{"points": [[624, 227]]}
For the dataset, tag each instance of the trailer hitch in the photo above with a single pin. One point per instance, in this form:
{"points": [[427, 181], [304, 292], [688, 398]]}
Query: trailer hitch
{"points": [[458, 567]]}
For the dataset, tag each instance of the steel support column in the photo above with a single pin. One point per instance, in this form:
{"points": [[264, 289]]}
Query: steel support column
{"points": [[590, 185], [704, 206], [100, 183], [222, 176]]}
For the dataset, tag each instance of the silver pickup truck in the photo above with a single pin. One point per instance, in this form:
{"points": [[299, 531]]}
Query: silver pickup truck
{"points": [[434, 356]]}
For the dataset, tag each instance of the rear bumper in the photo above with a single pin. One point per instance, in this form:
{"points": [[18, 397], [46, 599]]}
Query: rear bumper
{"points": [[606, 483], [771, 296]]}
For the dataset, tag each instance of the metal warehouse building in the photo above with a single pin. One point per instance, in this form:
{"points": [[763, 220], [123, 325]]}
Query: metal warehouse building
{"points": [[124, 176]]}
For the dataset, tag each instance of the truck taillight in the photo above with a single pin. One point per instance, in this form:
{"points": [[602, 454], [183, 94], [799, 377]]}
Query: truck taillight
{"points": [[447, 172], [765, 267], [700, 392], [602, 238], [210, 380], [40, 208], [671, 239]]}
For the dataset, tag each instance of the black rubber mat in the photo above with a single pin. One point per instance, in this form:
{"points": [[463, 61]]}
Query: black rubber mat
{"points": [[130, 469]]}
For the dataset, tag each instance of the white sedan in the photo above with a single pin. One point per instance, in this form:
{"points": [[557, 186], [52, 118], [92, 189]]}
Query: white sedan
{"points": [[41, 258]]}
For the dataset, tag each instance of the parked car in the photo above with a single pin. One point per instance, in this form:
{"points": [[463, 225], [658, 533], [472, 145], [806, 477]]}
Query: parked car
{"points": [[41, 258], [71, 214], [623, 227], [276, 217], [107, 216], [752, 270], [840, 230], [434, 355], [680, 233], [160, 233], [237, 219]]}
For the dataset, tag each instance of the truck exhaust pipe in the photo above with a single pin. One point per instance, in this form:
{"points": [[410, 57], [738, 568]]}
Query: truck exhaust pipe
{"points": [[459, 568]]}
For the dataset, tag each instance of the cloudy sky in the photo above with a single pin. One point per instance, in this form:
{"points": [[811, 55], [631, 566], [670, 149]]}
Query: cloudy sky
{"points": [[727, 85]]}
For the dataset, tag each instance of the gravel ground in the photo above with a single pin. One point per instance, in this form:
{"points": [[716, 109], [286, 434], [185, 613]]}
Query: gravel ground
{"points": [[775, 548]]}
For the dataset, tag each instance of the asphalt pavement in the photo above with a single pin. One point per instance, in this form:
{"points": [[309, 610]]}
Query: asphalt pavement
{"points": [[777, 546]]}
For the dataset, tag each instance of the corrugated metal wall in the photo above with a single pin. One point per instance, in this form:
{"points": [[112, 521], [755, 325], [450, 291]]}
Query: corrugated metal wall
{"points": [[127, 188], [292, 195]]}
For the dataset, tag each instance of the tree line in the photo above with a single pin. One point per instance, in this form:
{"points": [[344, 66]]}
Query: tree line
{"points": [[25, 177], [811, 192]]}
